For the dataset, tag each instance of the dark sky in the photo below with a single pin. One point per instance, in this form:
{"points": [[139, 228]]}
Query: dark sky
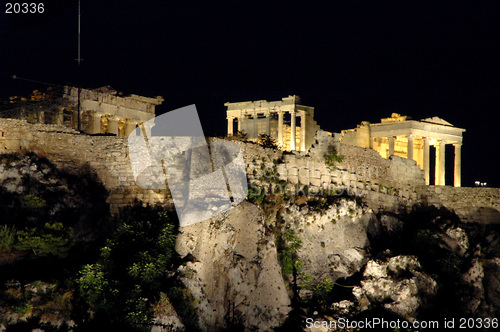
{"points": [[352, 61]]}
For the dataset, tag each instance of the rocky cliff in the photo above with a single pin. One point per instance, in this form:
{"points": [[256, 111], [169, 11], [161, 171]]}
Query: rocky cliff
{"points": [[374, 243]]}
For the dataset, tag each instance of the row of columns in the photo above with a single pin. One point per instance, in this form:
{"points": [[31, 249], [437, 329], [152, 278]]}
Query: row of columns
{"points": [[440, 159], [293, 125]]}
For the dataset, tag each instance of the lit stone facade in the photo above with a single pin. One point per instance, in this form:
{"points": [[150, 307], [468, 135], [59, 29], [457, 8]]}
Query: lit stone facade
{"points": [[104, 112], [412, 139], [292, 125]]}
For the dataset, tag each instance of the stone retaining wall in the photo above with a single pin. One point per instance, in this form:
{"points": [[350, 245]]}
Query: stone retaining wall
{"points": [[385, 184], [70, 150], [471, 203]]}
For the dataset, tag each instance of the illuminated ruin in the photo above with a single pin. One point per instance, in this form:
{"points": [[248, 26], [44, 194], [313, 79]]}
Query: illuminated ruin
{"points": [[411, 139], [277, 119]]}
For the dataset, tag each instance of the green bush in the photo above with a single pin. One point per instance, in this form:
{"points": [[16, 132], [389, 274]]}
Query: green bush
{"points": [[133, 264], [33, 202], [255, 194], [185, 305], [53, 239], [287, 245], [267, 141], [320, 289], [7, 238], [332, 157]]}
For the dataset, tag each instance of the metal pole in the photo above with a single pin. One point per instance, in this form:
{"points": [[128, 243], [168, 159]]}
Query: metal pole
{"points": [[79, 60], [78, 109], [79, 30]]}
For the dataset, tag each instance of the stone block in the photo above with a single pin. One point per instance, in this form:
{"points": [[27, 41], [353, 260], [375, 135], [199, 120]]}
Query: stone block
{"points": [[303, 179], [315, 181], [325, 178], [293, 179]]}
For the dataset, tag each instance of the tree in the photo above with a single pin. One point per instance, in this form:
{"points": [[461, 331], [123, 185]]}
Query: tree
{"points": [[122, 285], [267, 141], [53, 239]]}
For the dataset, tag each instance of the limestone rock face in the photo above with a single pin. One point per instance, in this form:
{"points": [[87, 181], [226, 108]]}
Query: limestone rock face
{"points": [[398, 284], [334, 241], [235, 265], [473, 278], [482, 280], [492, 284], [167, 319]]}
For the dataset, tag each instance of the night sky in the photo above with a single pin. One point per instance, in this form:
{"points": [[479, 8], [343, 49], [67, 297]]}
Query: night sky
{"points": [[352, 61]]}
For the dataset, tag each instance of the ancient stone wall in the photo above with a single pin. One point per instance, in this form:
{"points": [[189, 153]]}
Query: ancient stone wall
{"points": [[385, 184], [471, 204], [70, 150]]}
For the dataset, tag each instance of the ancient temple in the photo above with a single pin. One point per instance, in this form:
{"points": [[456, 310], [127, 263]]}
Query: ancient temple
{"points": [[401, 136], [103, 111], [292, 125]]}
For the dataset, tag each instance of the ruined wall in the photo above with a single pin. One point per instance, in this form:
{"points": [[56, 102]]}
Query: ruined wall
{"points": [[70, 150], [385, 184], [359, 136], [471, 204]]}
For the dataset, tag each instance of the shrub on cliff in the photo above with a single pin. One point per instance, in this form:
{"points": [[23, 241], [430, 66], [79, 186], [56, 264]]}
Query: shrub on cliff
{"points": [[122, 285], [332, 157], [267, 141]]}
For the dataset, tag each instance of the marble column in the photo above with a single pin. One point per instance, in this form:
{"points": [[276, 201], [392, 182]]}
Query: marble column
{"points": [[60, 117], [280, 128], [255, 132], [130, 126], [147, 128], [426, 160], [458, 164], [409, 154], [113, 125], [391, 145], [239, 123], [230, 131], [41, 117], [303, 131], [293, 128], [440, 176], [268, 123]]}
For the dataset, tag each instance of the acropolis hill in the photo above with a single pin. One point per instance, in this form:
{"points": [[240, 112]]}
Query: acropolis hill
{"points": [[387, 163], [371, 228]]}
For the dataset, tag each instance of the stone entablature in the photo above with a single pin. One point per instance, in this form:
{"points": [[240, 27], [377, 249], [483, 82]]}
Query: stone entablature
{"points": [[268, 117], [104, 112], [411, 139]]}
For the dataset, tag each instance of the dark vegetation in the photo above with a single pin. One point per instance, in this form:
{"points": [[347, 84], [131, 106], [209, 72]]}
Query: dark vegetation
{"points": [[332, 157], [62, 256], [267, 141]]}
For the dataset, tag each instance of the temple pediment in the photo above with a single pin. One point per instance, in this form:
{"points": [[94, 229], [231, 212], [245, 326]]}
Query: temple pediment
{"points": [[437, 120]]}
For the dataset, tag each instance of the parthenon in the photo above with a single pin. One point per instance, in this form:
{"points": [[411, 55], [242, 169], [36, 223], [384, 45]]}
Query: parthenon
{"points": [[412, 139], [277, 119], [103, 111]]}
